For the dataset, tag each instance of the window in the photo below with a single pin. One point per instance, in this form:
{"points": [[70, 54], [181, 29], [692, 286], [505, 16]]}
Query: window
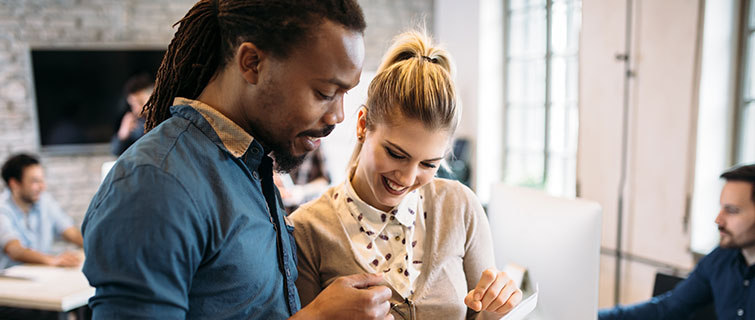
{"points": [[541, 81], [745, 111]]}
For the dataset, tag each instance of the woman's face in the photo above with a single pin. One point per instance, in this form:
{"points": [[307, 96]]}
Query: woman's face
{"points": [[396, 159]]}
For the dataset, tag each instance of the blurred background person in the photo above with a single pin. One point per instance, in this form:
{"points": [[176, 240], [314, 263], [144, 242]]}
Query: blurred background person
{"points": [[31, 220], [137, 89], [724, 276]]}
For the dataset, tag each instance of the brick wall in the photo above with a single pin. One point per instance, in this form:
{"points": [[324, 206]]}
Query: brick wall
{"points": [[74, 179]]}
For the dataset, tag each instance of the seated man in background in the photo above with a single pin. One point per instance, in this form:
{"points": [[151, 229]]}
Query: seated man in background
{"points": [[725, 275], [30, 219], [137, 89]]}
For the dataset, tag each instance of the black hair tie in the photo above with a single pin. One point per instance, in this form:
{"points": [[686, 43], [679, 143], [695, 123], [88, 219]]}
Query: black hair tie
{"points": [[428, 59]]}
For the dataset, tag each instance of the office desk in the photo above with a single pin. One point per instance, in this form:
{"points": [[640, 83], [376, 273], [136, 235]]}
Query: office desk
{"points": [[44, 288]]}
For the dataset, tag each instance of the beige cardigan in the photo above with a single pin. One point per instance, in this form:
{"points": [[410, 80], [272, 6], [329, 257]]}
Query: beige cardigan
{"points": [[458, 247]]}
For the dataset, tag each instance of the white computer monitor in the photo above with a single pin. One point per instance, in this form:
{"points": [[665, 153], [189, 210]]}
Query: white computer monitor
{"points": [[557, 240]]}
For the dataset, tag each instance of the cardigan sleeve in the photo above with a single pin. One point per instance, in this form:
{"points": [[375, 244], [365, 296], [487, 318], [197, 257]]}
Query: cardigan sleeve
{"points": [[478, 248], [308, 282]]}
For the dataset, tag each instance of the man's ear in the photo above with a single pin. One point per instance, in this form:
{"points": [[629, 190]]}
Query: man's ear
{"points": [[249, 59], [13, 184]]}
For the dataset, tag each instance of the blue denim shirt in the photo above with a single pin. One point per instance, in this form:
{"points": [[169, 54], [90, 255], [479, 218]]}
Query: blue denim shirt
{"points": [[722, 277], [181, 228]]}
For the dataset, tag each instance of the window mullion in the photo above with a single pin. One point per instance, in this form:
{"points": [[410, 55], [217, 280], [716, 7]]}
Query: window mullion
{"points": [[547, 111]]}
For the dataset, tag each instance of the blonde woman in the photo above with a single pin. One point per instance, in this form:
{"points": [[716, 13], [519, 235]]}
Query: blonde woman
{"points": [[428, 236]]}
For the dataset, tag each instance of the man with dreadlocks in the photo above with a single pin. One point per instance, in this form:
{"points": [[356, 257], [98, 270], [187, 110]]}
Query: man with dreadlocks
{"points": [[188, 223]]}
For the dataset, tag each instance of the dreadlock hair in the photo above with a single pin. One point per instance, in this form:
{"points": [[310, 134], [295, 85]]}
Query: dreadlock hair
{"points": [[210, 32], [745, 173]]}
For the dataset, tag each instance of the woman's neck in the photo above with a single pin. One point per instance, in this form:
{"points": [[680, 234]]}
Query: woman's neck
{"points": [[362, 189]]}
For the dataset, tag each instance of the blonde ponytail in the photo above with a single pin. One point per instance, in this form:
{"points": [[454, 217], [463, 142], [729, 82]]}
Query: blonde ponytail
{"points": [[415, 81]]}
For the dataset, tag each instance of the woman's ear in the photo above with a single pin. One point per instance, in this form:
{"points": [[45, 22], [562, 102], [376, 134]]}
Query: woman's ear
{"points": [[249, 58], [362, 123]]}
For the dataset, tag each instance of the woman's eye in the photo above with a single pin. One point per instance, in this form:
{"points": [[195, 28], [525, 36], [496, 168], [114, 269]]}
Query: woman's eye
{"points": [[428, 165], [393, 155]]}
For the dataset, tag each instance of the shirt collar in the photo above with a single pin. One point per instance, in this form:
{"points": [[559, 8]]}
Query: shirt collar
{"points": [[235, 139], [374, 220], [8, 198]]}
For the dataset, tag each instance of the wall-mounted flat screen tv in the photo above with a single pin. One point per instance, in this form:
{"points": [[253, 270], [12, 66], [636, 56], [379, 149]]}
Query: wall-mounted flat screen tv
{"points": [[79, 93]]}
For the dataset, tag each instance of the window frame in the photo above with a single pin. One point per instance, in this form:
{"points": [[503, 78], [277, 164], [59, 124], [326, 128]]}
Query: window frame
{"points": [[548, 59], [746, 29]]}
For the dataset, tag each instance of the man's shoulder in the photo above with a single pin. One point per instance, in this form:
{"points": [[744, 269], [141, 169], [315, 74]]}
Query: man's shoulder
{"points": [[5, 205], [46, 200], [173, 147], [719, 256]]}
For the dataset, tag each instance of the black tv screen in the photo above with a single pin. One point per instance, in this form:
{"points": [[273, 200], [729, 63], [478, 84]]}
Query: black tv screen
{"points": [[79, 93]]}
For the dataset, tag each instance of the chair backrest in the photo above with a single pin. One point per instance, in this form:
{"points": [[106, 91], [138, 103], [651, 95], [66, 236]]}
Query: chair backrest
{"points": [[666, 282], [557, 240]]}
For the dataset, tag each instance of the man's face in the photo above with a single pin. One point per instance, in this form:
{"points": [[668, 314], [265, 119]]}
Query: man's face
{"points": [[736, 220], [138, 99], [299, 98], [31, 185]]}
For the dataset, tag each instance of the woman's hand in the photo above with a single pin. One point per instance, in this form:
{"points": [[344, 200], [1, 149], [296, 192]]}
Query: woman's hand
{"points": [[495, 292]]}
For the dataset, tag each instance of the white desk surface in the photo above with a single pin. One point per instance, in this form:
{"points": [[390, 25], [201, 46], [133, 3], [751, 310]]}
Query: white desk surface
{"points": [[44, 288]]}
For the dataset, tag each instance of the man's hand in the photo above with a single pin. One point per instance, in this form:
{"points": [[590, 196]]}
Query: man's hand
{"points": [[128, 123], [495, 292], [358, 296], [65, 259]]}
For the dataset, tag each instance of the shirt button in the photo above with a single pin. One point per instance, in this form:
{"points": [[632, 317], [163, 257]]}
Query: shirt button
{"points": [[740, 312], [256, 175], [255, 150], [397, 238], [747, 283], [288, 273]]}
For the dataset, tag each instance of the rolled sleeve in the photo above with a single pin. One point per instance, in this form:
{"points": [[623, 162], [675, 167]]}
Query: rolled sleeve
{"points": [[479, 254], [143, 241]]}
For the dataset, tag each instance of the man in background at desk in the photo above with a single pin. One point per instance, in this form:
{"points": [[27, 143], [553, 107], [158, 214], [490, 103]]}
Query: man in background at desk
{"points": [[30, 219], [725, 275]]}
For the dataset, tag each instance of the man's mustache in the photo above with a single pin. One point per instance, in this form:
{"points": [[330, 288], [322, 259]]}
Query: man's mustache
{"points": [[319, 133]]}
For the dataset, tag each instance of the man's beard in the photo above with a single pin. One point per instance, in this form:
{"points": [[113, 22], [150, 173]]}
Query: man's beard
{"points": [[28, 199], [285, 161], [733, 244]]}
